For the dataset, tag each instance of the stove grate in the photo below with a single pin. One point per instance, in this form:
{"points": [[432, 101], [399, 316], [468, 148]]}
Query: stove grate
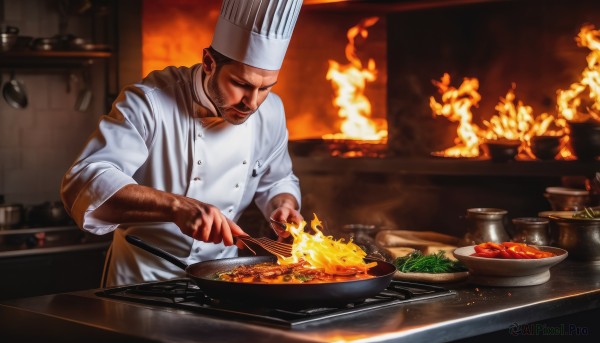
{"points": [[185, 294]]}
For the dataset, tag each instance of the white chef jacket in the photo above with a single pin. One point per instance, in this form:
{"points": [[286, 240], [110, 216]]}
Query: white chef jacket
{"points": [[153, 137]]}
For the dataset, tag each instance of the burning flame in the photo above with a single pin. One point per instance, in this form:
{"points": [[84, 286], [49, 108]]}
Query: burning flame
{"points": [[516, 121], [513, 121], [324, 252], [349, 82], [570, 100], [456, 106]]}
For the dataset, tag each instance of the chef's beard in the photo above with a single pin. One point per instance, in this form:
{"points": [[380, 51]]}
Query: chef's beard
{"points": [[219, 102]]}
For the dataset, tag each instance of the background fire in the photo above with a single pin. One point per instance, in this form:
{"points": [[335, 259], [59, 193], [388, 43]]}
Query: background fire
{"points": [[516, 121]]}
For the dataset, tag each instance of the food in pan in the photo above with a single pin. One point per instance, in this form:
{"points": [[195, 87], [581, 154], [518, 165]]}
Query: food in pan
{"points": [[300, 272], [315, 258], [509, 250]]}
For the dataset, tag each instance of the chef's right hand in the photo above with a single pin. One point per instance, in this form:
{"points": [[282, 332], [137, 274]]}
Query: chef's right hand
{"points": [[205, 222]]}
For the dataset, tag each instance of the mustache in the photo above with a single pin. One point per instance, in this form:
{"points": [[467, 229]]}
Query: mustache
{"points": [[243, 108]]}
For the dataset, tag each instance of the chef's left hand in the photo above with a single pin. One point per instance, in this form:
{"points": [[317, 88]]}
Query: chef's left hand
{"points": [[285, 215]]}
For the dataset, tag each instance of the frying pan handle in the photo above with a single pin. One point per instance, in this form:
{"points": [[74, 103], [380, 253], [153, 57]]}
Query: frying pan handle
{"points": [[134, 240]]}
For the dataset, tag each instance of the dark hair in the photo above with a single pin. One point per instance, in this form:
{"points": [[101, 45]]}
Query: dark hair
{"points": [[219, 58]]}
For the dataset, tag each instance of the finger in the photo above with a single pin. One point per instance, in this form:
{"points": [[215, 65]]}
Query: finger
{"points": [[217, 229], [215, 234], [195, 226], [282, 234], [226, 232], [206, 228]]}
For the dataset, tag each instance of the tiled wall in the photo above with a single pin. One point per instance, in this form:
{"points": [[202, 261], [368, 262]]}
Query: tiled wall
{"points": [[38, 143]]}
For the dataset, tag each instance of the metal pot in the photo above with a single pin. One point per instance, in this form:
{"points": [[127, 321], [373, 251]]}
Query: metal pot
{"points": [[11, 216], [485, 225], [579, 236], [50, 213], [531, 230], [8, 37]]}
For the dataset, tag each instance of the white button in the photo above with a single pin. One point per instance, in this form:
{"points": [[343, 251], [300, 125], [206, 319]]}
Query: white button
{"points": [[200, 135], [197, 178], [199, 162], [245, 162], [237, 185], [230, 210]]}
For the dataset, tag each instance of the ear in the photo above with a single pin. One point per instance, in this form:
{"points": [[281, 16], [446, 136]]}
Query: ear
{"points": [[208, 62]]}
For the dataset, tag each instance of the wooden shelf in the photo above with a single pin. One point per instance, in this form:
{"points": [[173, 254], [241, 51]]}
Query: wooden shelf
{"points": [[50, 59], [443, 167]]}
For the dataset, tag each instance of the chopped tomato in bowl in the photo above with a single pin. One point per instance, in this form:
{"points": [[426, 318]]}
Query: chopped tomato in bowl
{"points": [[509, 264], [510, 250]]}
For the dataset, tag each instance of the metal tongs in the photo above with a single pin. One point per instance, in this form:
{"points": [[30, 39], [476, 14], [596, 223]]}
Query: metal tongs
{"points": [[277, 225]]}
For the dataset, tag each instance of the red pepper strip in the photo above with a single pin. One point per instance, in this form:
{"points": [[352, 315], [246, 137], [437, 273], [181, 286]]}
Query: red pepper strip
{"points": [[509, 250]]}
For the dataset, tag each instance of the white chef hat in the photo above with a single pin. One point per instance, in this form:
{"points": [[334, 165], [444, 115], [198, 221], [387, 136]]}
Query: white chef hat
{"points": [[256, 32]]}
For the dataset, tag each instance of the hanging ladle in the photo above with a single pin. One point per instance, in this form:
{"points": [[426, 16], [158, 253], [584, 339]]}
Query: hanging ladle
{"points": [[85, 94], [14, 92]]}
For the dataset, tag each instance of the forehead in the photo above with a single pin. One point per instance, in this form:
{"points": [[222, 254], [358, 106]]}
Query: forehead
{"points": [[251, 75]]}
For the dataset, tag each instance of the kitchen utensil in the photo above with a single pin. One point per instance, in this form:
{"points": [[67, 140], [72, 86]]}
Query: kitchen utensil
{"points": [[567, 199], [203, 274], [509, 272], [585, 139], [485, 225], [84, 98], [14, 92], [8, 37], [501, 150], [277, 225], [274, 247], [11, 216], [45, 44], [531, 230], [546, 147], [579, 236], [49, 213], [8, 41]]}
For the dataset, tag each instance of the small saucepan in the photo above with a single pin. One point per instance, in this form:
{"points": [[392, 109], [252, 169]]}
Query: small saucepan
{"points": [[204, 275], [11, 216]]}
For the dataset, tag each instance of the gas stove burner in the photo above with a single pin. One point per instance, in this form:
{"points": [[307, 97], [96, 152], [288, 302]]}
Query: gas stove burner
{"points": [[185, 294]]}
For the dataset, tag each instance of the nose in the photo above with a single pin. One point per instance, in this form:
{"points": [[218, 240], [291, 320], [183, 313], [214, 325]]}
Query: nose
{"points": [[251, 99]]}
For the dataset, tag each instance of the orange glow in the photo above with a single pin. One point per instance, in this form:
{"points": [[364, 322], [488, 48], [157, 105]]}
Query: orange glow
{"points": [[517, 122], [173, 35], [324, 252], [349, 82], [513, 121], [456, 106], [569, 101]]}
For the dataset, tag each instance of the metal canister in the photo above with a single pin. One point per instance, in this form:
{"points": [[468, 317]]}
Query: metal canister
{"points": [[11, 216], [531, 230], [485, 225]]}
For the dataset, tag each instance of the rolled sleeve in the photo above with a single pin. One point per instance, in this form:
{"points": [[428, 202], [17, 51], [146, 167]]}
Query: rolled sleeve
{"points": [[109, 160]]}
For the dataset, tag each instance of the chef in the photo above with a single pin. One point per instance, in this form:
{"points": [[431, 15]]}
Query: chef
{"points": [[182, 153]]}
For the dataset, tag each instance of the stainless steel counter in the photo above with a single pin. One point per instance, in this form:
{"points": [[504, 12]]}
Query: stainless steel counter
{"points": [[80, 316]]}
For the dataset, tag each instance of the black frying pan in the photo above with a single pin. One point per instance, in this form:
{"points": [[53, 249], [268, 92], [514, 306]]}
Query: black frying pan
{"points": [[203, 274]]}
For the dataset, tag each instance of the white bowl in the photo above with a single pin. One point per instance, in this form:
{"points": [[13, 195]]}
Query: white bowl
{"points": [[508, 272]]}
